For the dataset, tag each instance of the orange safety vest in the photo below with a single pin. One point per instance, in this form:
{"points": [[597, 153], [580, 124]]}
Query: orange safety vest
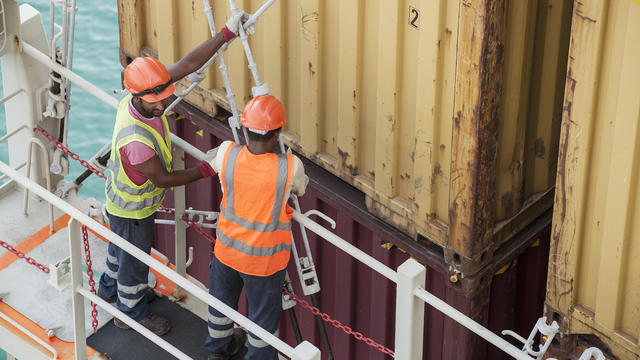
{"points": [[254, 227]]}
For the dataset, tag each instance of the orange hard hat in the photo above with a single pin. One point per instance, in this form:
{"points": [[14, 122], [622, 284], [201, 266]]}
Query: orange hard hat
{"points": [[148, 78], [263, 113]]}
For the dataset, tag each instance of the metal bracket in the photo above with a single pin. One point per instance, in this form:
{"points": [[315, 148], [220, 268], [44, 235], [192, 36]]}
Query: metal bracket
{"points": [[64, 187], [323, 216], [190, 258], [60, 164], [549, 331], [198, 217], [287, 301], [58, 274], [592, 352]]}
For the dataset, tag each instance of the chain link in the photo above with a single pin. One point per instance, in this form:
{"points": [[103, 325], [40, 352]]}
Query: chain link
{"points": [[22, 255], [359, 336], [94, 313], [198, 229], [92, 283], [71, 154], [192, 224], [99, 173]]}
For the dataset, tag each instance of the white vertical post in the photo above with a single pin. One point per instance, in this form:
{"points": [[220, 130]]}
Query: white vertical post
{"points": [[179, 203], [409, 311], [306, 351], [77, 301]]}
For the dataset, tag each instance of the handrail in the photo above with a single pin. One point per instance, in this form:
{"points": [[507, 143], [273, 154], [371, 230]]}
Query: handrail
{"points": [[470, 324], [132, 323], [10, 96], [30, 334], [304, 351], [303, 220], [45, 168], [365, 258], [17, 168], [13, 132]]}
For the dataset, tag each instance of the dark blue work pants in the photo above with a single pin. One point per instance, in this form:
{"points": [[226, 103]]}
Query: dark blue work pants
{"points": [[125, 275], [264, 295]]}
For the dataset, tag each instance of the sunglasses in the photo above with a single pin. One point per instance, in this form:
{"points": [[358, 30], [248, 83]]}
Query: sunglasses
{"points": [[156, 90]]}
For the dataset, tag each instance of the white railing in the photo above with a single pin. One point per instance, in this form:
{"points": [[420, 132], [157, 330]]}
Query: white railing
{"points": [[304, 351], [410, 278], [31, 335], [410, 296]]}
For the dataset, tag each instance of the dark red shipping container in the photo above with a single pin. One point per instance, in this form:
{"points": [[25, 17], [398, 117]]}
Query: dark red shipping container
{"points": [[507, 294]]}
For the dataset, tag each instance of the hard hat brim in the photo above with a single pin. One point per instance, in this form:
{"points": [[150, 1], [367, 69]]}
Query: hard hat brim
{"points": [[151, 98]]}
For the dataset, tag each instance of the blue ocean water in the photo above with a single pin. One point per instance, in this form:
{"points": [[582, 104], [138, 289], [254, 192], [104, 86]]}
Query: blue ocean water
{"points": [[96, 59]]}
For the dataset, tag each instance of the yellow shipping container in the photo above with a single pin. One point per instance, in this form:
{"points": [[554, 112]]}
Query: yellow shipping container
{"points": [[594, 272], [445, 113]]}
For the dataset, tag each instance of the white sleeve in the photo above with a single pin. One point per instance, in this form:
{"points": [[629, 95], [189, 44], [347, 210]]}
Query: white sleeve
{"points": [[218, 156], [299, 179]]}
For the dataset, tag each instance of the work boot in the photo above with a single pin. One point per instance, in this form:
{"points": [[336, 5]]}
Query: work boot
{"points": [[157, 324], [232, 348], [109, 299]]}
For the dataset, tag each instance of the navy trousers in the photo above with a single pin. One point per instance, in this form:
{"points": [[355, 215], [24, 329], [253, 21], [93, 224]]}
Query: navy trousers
{"points": [[264, 295], [126, 276]]}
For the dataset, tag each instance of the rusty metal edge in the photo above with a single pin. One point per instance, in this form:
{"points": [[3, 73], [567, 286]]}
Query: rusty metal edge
{"points": [[346, 197]]}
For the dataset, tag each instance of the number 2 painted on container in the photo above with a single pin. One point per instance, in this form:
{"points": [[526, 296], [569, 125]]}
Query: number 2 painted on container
{"points": [[414, 15]]}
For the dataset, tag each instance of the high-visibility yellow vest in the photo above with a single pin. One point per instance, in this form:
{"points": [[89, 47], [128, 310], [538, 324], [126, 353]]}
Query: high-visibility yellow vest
{"points": [[125, 198], [254, 227]]}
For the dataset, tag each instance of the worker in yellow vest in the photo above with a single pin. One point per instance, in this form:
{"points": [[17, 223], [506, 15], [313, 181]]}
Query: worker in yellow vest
{"points": [[140, 171], [254, 229]]}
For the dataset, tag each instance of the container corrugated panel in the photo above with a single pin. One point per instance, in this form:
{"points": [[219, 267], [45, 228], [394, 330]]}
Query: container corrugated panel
{"points": [[594, 273], [444, 113], [509, 297]]}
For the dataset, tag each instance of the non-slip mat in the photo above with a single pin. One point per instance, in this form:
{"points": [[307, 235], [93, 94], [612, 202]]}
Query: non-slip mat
{"points": [[188, 333]]}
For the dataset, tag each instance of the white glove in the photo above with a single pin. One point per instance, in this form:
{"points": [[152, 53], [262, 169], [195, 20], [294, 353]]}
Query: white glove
{"points": [[210, 156], [238, 18], [251, 29]]}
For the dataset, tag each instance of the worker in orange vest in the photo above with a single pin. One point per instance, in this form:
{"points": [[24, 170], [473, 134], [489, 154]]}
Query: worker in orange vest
{"points": [[140, 171], [254, 229]]}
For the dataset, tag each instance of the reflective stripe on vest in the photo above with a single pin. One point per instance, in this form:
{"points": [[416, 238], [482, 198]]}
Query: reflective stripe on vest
{"points": [[115, 165], [125, 198], [229, 211], [252, 245]]}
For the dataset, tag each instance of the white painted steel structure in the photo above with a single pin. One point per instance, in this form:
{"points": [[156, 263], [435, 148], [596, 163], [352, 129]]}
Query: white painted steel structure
{"points": [[301, 352], [410, 277], [30, 334]]}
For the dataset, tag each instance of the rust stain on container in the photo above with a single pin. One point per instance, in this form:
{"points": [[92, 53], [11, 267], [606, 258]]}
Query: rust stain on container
{"points": [[367, 93], [356, 295], [592, 286]]}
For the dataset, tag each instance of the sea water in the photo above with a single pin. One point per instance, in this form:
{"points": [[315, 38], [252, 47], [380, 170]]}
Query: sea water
{"points": [[95, 58]]}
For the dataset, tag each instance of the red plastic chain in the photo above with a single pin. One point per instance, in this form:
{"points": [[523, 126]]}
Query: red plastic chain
{"points": [[99, 173], [192, 224], [92, 283], [359, 336], [22, 255], [73, 155]]}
